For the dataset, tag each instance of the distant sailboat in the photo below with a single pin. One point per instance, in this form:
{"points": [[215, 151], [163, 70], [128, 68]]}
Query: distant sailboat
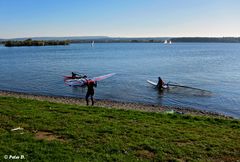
{"points": [[167, 42], [92, 43]]}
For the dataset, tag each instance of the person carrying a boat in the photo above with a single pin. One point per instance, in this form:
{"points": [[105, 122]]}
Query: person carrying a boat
{"points": [[90, 91]]}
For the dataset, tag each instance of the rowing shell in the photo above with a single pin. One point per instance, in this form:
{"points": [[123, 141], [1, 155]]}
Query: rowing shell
{"points": [[83, 81], [183, 88], [155, 84]]}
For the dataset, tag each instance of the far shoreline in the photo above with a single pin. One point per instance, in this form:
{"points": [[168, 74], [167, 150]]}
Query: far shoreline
{"points": [[114, 104], [107, 39]]}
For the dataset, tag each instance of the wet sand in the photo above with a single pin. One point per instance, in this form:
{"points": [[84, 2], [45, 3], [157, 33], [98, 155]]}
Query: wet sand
{"points": [[113, 104]]}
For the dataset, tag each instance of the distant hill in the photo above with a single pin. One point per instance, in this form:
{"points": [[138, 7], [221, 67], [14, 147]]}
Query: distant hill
{"points": [[105, 39], [97, 39], [206, 40], [57, 38], [88, 38], [121, 40]]}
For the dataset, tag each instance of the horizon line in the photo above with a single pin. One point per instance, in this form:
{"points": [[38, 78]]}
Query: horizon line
{"points": [[123, 36]]}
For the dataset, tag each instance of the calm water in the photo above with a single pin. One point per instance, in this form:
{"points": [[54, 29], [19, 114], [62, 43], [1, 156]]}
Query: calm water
{"points": [[214, 67]]}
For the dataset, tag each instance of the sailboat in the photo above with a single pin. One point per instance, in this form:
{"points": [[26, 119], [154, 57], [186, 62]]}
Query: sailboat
{"points": [[167, 42], [92, 43]]}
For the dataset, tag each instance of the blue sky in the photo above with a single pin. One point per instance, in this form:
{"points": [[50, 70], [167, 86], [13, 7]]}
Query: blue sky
{"points": [[119, 18]]}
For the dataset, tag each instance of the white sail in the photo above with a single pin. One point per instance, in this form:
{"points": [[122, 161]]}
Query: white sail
{"points": [[167, 42]]}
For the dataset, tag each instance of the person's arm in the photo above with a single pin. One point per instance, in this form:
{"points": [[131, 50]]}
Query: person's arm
{"points": [[95, 83]]}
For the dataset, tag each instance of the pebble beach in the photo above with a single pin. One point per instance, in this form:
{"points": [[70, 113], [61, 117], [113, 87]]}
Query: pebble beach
{"points": [[113, 104]]}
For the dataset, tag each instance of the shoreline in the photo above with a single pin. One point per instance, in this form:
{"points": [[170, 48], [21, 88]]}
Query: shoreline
{"points": [[113, 104]]}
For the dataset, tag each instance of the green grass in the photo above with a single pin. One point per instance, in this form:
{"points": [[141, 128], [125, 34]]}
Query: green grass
{"points": [[101, 134]]}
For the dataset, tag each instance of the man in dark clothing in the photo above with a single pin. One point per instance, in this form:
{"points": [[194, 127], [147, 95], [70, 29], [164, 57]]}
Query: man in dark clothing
{"points": [[90, 91], [160, 84]]}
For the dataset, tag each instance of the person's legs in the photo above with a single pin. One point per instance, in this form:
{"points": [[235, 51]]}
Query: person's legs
{"points": [[92, 100], [92, 94], [87, 95]]}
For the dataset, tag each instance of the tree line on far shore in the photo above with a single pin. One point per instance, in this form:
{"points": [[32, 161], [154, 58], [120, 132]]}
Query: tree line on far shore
{"points": [[161, 40], [30, 42], [207, 39]]}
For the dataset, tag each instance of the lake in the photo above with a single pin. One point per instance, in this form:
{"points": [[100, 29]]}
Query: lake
{"points": [[210, 66]]}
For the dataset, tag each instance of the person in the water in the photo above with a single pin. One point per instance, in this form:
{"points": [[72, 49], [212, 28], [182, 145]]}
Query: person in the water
{"points": [[160, 84], [74, 75], [78, 76], [90, 91]]}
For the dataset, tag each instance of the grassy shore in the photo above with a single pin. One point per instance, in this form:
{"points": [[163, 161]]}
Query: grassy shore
{"points": [[66, 132], [114, 104]]}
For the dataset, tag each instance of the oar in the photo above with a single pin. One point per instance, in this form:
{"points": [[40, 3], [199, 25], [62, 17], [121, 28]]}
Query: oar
{"points": [[177, 85]]}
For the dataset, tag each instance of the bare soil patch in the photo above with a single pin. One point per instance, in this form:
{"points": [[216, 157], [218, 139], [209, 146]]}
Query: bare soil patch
{"points": [[48, 136]]}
